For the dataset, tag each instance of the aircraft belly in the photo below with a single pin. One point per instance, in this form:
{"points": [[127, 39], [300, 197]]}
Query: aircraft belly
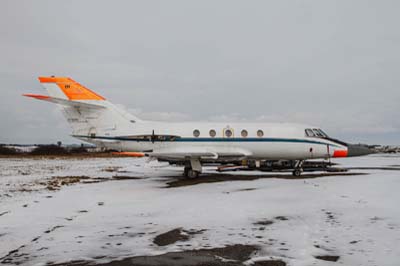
{"points": [[292, 151], [257, 150]]}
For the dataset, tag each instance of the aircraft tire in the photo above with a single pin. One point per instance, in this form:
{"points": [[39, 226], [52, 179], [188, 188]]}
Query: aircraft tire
{"points": [[297, 172], [192, 174]]}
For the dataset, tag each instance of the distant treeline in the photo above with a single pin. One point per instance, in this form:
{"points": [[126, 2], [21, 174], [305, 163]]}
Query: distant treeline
{"points": [[7, 151], [44, 150]]}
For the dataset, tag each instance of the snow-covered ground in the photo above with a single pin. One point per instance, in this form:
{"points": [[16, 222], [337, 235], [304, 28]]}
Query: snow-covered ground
{"points": [[354, 217]]}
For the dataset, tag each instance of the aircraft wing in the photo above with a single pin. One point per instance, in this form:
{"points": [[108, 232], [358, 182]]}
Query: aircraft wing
{"points": [[199, 153]]}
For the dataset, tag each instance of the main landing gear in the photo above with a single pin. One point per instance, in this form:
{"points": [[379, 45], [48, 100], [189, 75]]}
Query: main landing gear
{"points": [[298, 168], [192, 168]]}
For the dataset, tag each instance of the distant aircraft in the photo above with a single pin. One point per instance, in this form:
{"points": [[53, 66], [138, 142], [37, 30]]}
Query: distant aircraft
{"points": [[94, 119]]}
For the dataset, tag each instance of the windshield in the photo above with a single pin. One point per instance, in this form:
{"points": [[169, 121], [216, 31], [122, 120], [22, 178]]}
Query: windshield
{"points": [[323, 133], [309, 133], [315, 132]]}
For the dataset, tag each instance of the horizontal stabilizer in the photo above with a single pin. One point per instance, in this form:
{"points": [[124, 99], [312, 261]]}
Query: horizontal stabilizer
{"points": [[64, 101]]}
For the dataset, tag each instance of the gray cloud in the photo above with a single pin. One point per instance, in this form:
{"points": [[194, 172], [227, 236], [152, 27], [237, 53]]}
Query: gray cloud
{"points": [[332, 64]]}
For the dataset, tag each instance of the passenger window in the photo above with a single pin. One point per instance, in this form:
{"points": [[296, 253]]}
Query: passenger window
{"points": [[196, 133], [213, 133], [309, 133], [244, 133], [228, 133], [260, 133]]}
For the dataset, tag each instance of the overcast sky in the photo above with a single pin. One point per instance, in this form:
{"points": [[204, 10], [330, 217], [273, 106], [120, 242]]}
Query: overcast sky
{"points": [[329, 63]]}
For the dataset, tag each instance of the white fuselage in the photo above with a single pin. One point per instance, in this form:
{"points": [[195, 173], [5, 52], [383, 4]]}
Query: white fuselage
{"points": [[279, 141]]}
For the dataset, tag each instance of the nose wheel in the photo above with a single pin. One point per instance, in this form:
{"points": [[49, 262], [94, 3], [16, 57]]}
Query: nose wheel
{"points": [[297, 172], [298, 168]]}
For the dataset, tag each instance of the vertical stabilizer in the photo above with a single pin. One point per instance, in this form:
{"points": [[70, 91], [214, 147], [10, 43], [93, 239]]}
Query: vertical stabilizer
{"points": [[88, 113]]}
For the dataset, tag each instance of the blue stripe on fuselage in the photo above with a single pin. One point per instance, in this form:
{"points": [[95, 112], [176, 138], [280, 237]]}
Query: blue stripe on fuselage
{"points": [[180, 139]]}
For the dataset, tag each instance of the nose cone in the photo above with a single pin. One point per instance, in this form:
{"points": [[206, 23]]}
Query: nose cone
{"points": [[357, 150]]}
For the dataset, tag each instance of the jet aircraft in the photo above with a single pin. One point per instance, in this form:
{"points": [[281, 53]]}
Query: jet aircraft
{"points": [[193, 144]]}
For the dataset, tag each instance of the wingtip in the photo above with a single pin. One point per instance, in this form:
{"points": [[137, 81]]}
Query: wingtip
{"points": [[36, 96]]}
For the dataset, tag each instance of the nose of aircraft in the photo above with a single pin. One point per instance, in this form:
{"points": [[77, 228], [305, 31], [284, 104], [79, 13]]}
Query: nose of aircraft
{"points": [[350, 150], [357, 150]]}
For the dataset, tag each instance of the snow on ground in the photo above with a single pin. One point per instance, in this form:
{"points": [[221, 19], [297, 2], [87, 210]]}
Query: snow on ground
{"points": [[354, 217]]}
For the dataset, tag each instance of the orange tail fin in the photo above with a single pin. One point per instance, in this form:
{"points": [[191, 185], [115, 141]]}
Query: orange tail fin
{"points": [[70, 89]]}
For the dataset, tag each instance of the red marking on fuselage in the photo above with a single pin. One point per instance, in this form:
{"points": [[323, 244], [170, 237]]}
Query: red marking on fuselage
{"points": [[340, 153]]}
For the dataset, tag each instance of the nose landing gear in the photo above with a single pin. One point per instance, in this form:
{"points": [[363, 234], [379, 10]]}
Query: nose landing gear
{"points": [[297, 172], [298, 168]]}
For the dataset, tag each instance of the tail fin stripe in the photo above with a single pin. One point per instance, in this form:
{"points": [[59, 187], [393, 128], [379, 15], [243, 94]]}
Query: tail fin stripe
{"points": [[75, 91]]}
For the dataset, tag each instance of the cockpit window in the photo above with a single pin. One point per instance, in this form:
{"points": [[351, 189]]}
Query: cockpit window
{"points": [[317, 133], [309, 133], [323, 133]]}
